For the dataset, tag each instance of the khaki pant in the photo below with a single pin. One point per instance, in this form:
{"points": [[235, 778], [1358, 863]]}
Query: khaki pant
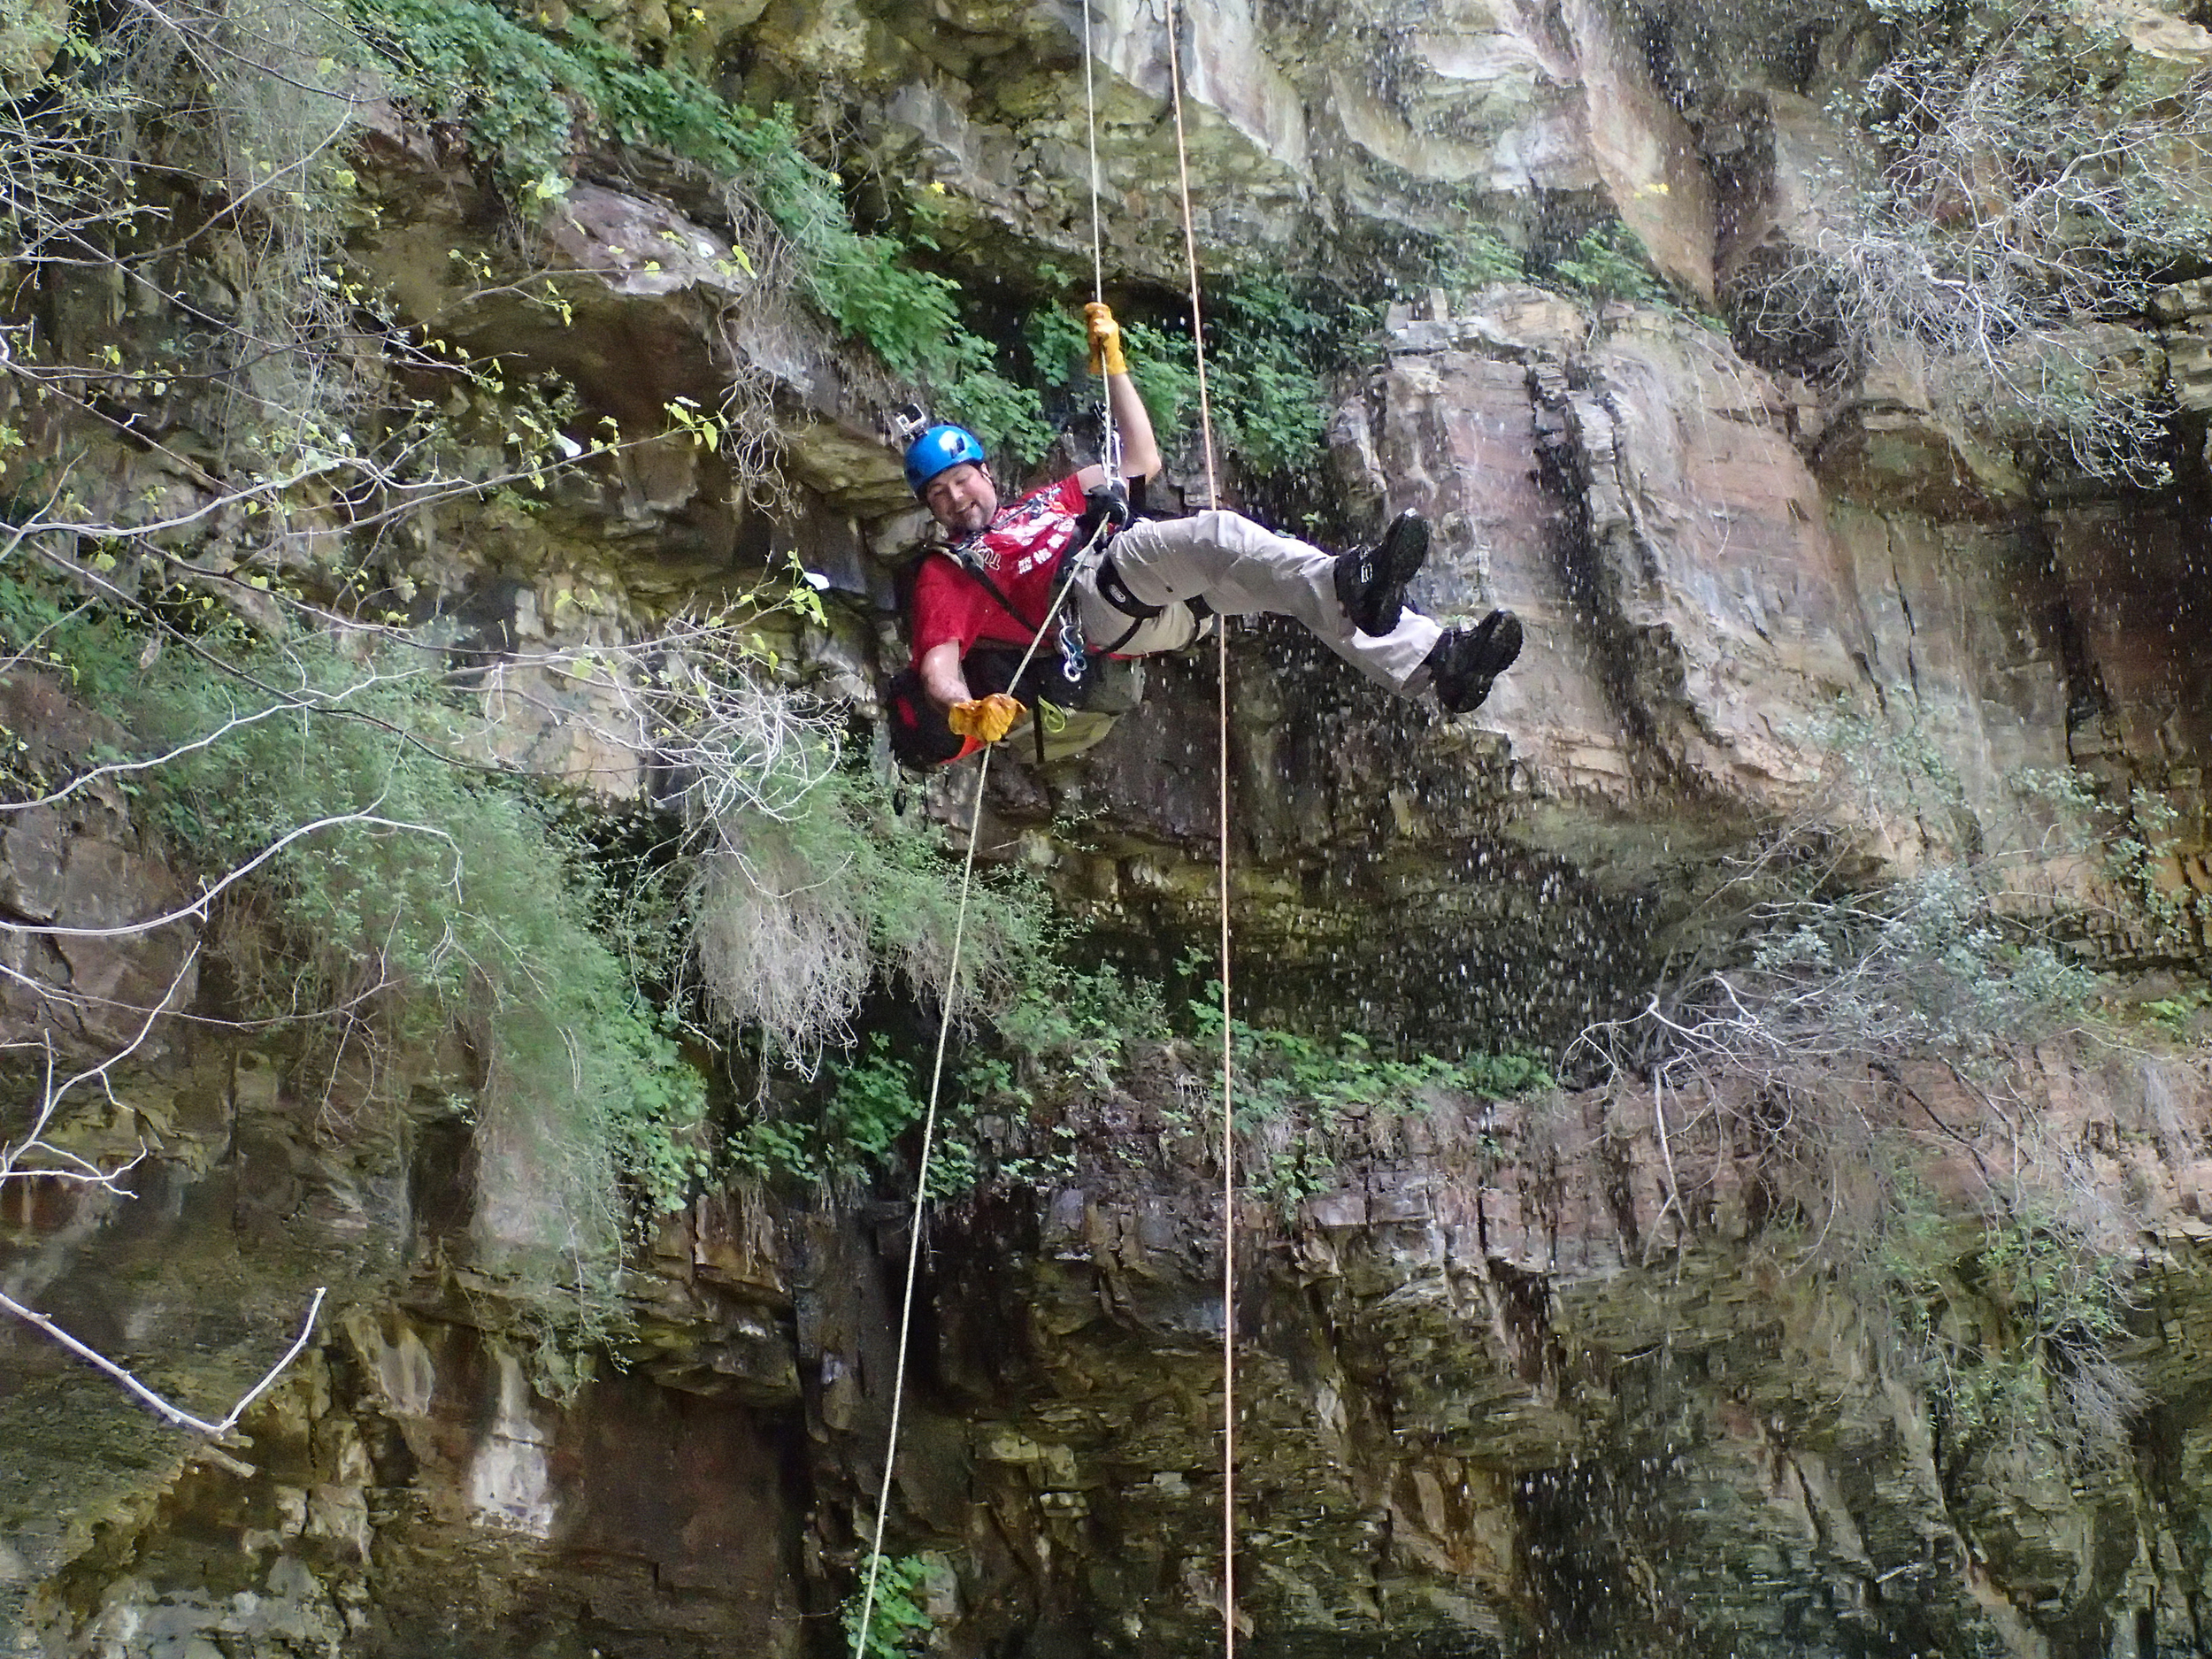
{"points": [[1240, 568]]}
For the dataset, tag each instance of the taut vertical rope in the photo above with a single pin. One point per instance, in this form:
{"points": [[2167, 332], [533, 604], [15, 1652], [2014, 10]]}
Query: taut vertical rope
{"points": [[1090, 110], [1228, 1092], [1110, 436]]}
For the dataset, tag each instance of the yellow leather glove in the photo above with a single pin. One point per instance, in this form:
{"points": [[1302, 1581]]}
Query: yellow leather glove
{"points": [[1105, 335], [986, 719]]}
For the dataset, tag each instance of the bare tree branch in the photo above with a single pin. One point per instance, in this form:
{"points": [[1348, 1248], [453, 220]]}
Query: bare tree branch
{"points": [[198, 909], [173, 1413]]}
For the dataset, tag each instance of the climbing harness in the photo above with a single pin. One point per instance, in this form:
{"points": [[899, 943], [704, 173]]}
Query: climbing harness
{"points": [[1070, 643], [1074, 658]]}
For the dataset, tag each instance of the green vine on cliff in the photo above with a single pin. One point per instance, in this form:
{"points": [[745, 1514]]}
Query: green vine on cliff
{"points": [[442, 894], [411, 919]]}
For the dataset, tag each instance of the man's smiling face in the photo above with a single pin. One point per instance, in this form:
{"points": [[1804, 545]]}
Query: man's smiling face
{"points": [[961, 498]]}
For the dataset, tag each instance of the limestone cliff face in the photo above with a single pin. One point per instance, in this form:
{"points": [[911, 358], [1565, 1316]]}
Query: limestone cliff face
{"points": [[1500, 1393]]}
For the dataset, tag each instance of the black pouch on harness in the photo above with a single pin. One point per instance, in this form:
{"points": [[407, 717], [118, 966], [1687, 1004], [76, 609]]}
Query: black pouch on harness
{"points": [[919, 736], [990, 668]]}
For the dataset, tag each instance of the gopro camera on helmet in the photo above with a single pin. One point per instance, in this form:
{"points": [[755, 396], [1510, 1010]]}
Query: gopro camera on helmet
{"points": [[908, 422]]}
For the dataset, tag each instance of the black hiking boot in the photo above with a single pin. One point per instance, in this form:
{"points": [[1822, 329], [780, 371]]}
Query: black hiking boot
{"points": [[1463, 663], [1370, 581]]}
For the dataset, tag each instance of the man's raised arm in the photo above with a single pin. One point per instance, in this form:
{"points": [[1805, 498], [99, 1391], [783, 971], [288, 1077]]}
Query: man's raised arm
{"points": [[1140, 449]]}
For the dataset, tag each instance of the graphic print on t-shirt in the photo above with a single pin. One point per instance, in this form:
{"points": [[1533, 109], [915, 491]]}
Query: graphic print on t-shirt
{"points": [[1030, 532], [1021, 551]]}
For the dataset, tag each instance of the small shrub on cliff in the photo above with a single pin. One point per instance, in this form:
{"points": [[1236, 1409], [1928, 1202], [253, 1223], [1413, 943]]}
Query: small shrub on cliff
{"points": [[2008, 1322], [871, 1103], [795, 914], [1476, 257], [899, 1623], [1271, 351], [2022, 198], [1853, 1035], [1609, 264], [2134, 841], [1067, 1022]]}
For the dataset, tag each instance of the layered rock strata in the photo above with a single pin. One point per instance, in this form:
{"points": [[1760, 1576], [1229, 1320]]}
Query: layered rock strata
{"points": [[1532, 1377]]}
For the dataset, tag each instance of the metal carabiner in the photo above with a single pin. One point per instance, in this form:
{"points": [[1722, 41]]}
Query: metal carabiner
{"points": [[1074, 660]]}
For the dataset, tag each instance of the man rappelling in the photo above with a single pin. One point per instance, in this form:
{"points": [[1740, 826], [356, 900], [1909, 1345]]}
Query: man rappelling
{"points": [[1155, 585]]}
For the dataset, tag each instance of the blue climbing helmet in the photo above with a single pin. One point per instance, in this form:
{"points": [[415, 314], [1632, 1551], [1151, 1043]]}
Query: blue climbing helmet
{"points": [[939, 449]]}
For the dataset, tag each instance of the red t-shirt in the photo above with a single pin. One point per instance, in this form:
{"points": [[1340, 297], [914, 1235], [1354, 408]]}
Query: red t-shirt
{"points": [[1021, 550]]}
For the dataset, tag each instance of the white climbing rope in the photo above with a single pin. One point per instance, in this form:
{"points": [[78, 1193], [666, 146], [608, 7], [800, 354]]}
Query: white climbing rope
{"points": [[1090, 110], [1109, 437], [1228, 1096], [1111, 458], [929, 1138]]}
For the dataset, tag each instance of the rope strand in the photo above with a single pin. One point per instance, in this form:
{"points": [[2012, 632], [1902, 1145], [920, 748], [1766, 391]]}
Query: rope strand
{"points": [[929, 1135], [914, 1229], [1109, 434], [1228, 1092], [1090, 110], [1109, 450], [1111, 453]]}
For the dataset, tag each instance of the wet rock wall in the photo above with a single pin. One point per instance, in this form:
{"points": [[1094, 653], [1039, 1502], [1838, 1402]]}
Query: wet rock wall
{"points": [[1500, 1395], [1526, 1379]]}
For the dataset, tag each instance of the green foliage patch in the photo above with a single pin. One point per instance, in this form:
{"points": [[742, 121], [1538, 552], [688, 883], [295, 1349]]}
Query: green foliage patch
{"points": [[1310, 1106], [1476, 257], [1271, 352], [1282, 1074], [439, 894], [1607, 264], [898, 1623], [1051, 1032], [527, 98], [872, 1102], [1020, 1092], [2135, 840]]}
